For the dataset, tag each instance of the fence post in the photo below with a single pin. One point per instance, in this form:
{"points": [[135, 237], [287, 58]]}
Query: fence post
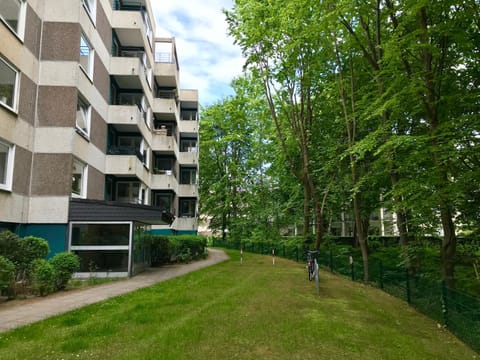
{"points": [[444, 303], [331, 261], [381, 274], [352, 267], [407, 278]]}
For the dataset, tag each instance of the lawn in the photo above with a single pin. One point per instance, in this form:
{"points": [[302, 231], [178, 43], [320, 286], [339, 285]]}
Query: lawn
{"points": [[252, 310]]}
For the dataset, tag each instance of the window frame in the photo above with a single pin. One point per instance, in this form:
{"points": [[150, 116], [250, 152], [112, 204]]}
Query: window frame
{"points": [[91, 56], [7, 185], [83, 181], [90, 7], [20, 32], [87, 114], [16, 86]]}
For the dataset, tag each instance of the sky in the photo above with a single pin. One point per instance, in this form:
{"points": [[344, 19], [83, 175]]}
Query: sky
{"points": [[208, 59]]}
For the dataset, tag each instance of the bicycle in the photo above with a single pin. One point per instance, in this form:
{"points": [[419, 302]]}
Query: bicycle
{"points": [[311, 259]]}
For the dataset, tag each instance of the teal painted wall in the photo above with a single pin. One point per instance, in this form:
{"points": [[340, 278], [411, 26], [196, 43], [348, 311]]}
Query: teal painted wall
{"points": [[172, 232], [55, 234], [163, 232], [186, 232]]}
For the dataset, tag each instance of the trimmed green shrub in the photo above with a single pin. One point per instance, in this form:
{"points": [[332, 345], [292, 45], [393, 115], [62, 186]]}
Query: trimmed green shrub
{"points": [[7, 276], [9, 246], [31, 249], [182, 248], [64, 264], [43, 275]]}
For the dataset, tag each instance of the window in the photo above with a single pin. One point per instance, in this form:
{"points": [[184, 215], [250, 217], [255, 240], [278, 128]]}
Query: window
{"points": [[188, 145], [188, 176], [12, 12], [145, 151], [79, 179], [163, 201], [83, 116], [8, 85], [187, 207], [86, 56], [91, 7], [6, 165], [128, 192]]}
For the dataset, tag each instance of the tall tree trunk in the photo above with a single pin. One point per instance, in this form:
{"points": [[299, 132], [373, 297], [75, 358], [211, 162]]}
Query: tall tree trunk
{"points": [[448, 249], [306, 209]]}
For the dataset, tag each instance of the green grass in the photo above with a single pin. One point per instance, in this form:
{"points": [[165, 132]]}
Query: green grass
{"points": [[252, 310]]}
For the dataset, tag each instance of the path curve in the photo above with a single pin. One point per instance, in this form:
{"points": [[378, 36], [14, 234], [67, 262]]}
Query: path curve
{"points": [[29, 311]]}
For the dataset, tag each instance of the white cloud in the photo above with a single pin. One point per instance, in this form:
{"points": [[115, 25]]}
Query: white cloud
{"points": [[208, 59]]}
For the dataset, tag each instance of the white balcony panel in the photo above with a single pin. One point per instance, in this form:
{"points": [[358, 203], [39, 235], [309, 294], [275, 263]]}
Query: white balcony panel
{"points": [[164, 182], [166, 74], [165, 106], [187, 158], [187, 95], [126, 165], [188, 127], [186, 224], [187, 190], [129, 27], [128, 118], [163, 142]]}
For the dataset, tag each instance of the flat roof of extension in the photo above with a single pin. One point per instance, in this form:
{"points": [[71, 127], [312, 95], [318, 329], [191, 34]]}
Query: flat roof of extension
{"points": [[100, 210]]}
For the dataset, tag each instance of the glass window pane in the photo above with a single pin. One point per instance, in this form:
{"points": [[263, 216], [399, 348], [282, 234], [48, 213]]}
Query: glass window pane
{"points": [[10, 12], [77, 177], [82, 115], [85, 51], [103, 261], [4, 150], [100, 234], [8, 78]]}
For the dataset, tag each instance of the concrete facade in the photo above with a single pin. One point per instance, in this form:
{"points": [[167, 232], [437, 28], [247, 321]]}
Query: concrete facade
{"points": [[90, 108]]}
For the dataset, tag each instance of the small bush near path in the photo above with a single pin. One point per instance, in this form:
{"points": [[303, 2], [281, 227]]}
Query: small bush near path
{"points": [[234, 310], [182, 248], [64, 264]]}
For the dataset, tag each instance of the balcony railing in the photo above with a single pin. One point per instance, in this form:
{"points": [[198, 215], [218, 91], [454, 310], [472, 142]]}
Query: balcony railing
{"points": [[129, 5], [125, 150]]}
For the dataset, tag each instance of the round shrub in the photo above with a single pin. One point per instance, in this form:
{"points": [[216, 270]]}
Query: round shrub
{"points": [[7, 275], [43, 275], [64, 264], [31, 248]]}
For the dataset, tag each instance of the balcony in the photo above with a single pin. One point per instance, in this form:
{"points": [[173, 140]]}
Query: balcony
{"points": [[164, 180], [166, 65], [127, 72], [129, 27], [188, 127], [162, 142], [188, 158], [187, 190], [125, 165], [166, 108]]}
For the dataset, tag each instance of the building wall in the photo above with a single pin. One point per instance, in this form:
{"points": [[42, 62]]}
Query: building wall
{"points": [[43, 129]]}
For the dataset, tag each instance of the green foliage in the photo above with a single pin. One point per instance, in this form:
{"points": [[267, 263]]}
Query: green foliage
{"points": [[182, 248], [7, 275], [9, 246], [43, 274], [64, 264], [31, 248]]}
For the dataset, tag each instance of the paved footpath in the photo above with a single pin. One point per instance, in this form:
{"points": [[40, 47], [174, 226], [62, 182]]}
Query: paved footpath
{"points": [[19, 313]]}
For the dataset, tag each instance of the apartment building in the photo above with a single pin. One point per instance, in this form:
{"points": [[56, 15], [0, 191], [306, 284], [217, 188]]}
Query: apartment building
{"points": [[98, 145]]}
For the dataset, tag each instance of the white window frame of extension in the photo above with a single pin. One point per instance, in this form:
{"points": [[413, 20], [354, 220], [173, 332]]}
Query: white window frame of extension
{"points": [[145, 151], [84, 112], [147, 69], [79, 165], [20, 30], [91, 9], [14, 100], [88, 67], [148, 28], [7, 160]]}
